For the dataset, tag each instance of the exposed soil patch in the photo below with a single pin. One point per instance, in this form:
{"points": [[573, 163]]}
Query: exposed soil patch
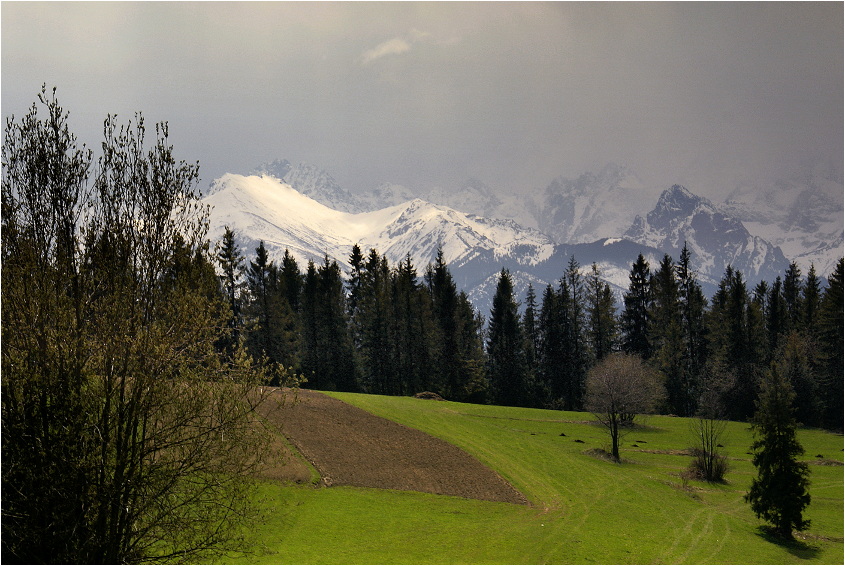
{"points": [[349, 446], [429, 395], [284, 464]]}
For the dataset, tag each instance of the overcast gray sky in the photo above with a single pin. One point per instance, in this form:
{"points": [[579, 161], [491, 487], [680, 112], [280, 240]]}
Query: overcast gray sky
{"points": [[423, 94]]}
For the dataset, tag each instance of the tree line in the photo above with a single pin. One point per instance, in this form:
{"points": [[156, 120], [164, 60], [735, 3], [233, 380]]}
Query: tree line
{"points": [[388, 330]]}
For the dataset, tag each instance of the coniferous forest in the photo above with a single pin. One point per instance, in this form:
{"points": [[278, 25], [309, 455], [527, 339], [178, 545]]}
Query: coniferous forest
{"points": [[391, 330]]}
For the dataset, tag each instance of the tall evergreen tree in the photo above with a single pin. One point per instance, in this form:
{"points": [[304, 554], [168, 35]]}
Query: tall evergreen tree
{"points": [[444, 297], [312, 357], [290, 281], [779, 492], [830, 340], [506, 347], [412, 330], [336, 341], [473, 386], [792, 296], [231, 263], [373, 323], [737, 337], [356, 262], [258, 308], [551, 351], [693, 327], [601, 313], [634, 321], [283, 323], [572, 302], [761, 296], [810, 300], [666, 338], [777, 318], [529, 324]]}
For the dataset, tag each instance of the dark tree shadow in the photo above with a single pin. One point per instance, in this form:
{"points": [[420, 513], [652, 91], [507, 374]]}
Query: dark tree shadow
{"points": [[797, 548]]}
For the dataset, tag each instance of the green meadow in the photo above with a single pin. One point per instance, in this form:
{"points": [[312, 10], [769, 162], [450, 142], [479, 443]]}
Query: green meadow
{"points": [[583, 509]]}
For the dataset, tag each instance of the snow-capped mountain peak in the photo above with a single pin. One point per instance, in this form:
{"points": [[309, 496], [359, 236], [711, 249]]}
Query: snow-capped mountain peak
{"points": [[313, 182], [591, 206], [264, 208], [716, 239], [803, 216]]}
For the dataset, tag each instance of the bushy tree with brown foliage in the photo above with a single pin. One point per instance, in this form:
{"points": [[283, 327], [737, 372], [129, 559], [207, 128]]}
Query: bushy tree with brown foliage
{"points": [[125, 436]]}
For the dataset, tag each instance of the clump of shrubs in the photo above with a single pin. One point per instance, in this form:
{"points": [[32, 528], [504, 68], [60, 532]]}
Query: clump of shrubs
{"points": [[708, 466]]}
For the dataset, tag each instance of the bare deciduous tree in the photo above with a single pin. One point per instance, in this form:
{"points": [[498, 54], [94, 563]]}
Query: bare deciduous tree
{"points": [[619, 388], [707, 428]]}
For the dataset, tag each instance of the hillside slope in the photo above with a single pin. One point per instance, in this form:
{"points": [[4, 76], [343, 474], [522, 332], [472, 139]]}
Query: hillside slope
{"points": [[583, 509]]}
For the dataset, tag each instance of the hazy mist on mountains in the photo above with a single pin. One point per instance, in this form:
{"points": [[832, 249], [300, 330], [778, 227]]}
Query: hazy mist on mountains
{"points": [[607, 217]]}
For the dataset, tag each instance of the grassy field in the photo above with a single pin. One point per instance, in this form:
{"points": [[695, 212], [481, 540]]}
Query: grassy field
{"points": [[583, 509]]}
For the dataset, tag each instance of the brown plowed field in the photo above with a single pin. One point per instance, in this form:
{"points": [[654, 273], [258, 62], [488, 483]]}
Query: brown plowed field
{"points": [[349, 446]]}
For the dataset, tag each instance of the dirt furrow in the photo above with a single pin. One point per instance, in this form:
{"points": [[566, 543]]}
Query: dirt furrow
{"points": [[349, 446]]}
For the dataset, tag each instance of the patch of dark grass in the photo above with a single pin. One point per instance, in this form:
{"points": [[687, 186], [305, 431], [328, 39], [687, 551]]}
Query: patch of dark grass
{"points": [[605, 455], [798, 547]]}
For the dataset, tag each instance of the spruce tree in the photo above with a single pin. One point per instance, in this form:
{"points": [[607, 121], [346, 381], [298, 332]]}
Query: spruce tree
{"points": [[575, 336], [551, 354], [601, 313], [529, 324], [634, 322], [335, 342], [310, 324], [373, 323], [693, 327], [356, 262], [290, 281], [231, 263], [665, 335], [412, 330], [473, 386], [506, 347], [778, 494], [792, 295], [830, 340], [737, 333], [258, 284], [777, 318], [810, 300], [444, 297]]}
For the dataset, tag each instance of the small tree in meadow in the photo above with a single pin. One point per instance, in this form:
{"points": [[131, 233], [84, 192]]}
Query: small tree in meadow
{"points": [[619, 388], [707, 427]]}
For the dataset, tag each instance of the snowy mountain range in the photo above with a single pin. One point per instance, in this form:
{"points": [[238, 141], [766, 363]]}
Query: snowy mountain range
{"points": [[594, 217], [265, 208], [714, 238], [801, 216]]}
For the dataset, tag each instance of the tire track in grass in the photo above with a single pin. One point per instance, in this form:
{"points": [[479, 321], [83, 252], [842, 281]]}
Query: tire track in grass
{"points": [[702, 534], [683, 536]]}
